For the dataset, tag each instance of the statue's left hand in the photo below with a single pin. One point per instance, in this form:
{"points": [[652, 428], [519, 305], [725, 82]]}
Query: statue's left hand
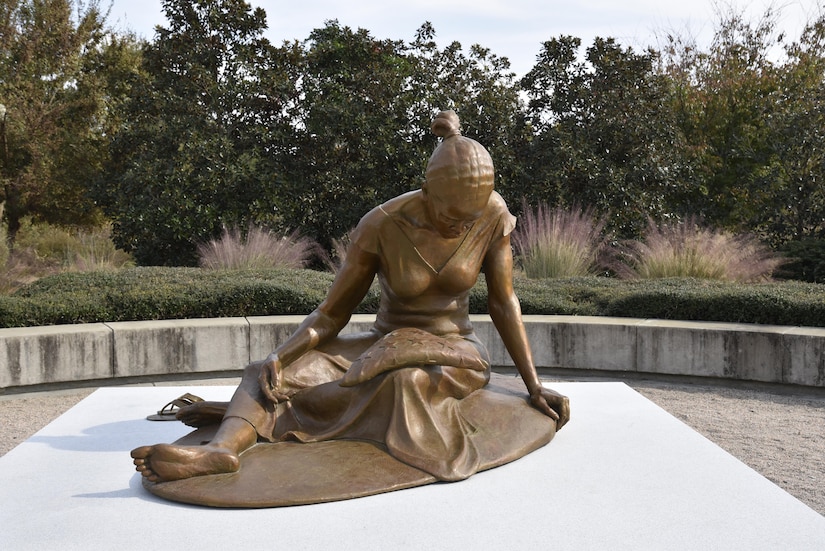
{"points": [[552, 404]]}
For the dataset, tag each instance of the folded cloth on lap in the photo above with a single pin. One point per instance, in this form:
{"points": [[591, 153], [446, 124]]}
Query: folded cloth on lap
{"points": [[409, 347]]}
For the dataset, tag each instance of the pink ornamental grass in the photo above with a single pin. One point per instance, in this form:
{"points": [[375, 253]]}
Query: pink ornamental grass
{"points": [[259, 249], [686, 249], [555, 243]]}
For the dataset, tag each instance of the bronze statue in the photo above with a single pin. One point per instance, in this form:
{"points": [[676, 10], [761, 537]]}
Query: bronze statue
{"points": [[401, 384]]}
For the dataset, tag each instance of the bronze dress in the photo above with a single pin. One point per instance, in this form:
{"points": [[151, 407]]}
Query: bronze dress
{"points": [[400, 384]]}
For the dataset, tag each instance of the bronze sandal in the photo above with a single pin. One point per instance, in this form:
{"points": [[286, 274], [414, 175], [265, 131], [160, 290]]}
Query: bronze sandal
{"points": [[169, 411]]}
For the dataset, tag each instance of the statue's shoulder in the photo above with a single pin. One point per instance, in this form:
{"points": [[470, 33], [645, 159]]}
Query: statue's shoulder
{"points": [[380, 215], [395, 204], [499, 213], [372, 224], [497, 203]]}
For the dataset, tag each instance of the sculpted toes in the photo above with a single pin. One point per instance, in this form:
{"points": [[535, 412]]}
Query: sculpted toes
{"points": [[141, 452]]}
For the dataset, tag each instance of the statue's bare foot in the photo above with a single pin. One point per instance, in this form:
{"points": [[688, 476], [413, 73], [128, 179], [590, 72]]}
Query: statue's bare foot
{"points": [[163, 462], [201, 414]]}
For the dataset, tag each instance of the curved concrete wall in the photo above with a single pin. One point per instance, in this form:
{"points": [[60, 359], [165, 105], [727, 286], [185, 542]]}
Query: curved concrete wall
{"points": [[98, 351]]}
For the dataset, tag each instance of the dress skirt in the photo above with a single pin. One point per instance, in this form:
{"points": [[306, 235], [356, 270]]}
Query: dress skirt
{"points": [[412, 410]]}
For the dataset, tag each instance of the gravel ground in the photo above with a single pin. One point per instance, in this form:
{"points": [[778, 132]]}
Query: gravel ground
{"points": [[778, 432]]}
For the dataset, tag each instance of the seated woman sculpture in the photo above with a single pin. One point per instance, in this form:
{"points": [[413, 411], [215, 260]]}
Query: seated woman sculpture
{"points": [[401, 383]]}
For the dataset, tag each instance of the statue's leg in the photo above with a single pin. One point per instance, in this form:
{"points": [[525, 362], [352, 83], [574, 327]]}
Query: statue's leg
{"points": [[413, 411], [327, 363], [248, 402], [249, 415], [163, 462]]}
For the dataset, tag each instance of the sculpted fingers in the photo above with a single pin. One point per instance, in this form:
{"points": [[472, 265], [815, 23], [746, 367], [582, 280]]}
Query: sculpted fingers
{"points": [[552, 404], [540, 403], [265, 380], [561, 404], [270, 380]]}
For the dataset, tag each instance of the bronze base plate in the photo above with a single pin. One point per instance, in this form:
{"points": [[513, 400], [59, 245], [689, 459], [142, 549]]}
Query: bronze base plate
{"points": [[289, 473]]}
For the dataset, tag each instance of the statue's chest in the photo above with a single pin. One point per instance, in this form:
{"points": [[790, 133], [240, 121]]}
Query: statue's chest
{"points": [[411, 271]]}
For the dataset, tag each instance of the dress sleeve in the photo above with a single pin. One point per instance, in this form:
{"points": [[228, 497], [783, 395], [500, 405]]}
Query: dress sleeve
{"points": [[366, 234], [506, 222]]}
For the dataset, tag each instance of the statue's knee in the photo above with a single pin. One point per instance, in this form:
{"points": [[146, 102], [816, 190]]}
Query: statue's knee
{"points": [[252, 370], [414, 375]]}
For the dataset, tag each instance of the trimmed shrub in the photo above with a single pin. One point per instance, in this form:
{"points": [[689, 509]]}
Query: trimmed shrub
{"points": [[790, 303], [585, 296], [168, 293], [148, 293]]}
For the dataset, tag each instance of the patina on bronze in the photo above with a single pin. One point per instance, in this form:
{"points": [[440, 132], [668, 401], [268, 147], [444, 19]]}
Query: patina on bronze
{"points": [[409, 399]]}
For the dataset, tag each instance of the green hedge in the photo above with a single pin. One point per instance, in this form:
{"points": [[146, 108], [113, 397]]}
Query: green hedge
{"points": [[170, 293], [166, 293]]}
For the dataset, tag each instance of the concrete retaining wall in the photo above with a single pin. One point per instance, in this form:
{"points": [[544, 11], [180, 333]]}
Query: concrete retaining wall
{"points": [[89, 352]]}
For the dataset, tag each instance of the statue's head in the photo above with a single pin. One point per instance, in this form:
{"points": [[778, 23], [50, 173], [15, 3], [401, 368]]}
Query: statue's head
{"points": [[460, 174]]}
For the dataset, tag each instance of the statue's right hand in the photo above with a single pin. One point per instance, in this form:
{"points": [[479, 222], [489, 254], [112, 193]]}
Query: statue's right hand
{"points": [[270, 379]]}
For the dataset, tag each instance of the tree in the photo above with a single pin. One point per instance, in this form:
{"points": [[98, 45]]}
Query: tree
{"points": [[197, 149], [754, 124], [724, 99], [603, 134], [790, 198], [556, 91], [364, 115], [351, 149], [56, 62], [481, 88]]}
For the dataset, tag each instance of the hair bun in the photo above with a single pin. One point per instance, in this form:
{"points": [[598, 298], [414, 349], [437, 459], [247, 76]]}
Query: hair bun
{"points": [[446, 124]]}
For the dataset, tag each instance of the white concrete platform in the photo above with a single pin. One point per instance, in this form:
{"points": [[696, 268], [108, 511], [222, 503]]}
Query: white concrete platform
{"points": [[624, 474]]}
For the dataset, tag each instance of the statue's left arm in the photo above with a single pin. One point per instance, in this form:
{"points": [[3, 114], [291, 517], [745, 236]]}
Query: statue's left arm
{"points": [[505, 312]]}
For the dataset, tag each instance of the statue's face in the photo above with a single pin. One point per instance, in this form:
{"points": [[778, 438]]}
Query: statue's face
{"points": [[453, 211]]}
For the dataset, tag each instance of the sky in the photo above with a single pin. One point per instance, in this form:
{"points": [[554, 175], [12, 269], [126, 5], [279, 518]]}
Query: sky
{"points": [[514, 29]]}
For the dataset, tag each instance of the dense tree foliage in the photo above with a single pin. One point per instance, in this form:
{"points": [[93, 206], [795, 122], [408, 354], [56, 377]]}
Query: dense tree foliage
{"points": [[224, 129], [364, 116], [191, 155], [353, 146], [208, 125], [753, 127], [603, 136], [59, 68], [481, 88], [792, 207]]}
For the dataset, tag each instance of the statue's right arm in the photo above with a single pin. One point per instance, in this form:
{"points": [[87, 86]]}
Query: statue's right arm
{"points": [[347, 291]]}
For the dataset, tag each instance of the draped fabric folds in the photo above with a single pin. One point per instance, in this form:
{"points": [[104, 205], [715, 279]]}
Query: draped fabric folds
{"points": [[413, 411]]}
